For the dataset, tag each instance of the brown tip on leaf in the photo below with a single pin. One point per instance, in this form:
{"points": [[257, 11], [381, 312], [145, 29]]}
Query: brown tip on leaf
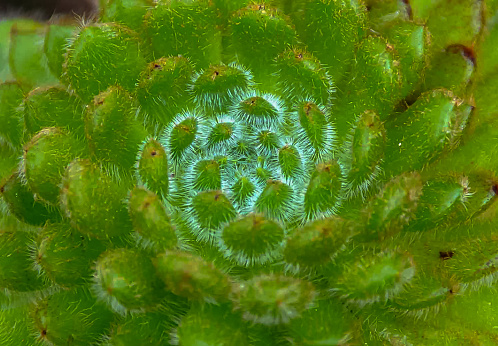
{"points": [[467, 52], [446, 255], [494, 188], [408, 9]]}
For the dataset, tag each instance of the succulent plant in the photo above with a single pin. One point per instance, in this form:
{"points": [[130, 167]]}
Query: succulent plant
{"points": [[311, 172]]}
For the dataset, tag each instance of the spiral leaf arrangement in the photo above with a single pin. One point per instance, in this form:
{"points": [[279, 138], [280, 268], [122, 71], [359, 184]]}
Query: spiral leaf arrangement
{"points": [[313, 172]]}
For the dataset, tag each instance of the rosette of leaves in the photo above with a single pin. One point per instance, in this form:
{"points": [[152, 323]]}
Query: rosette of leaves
{"points": [[313, 172]]}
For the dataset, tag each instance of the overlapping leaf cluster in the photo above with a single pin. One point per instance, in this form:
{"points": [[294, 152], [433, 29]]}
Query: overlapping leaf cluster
{"points": [[250, 173]]}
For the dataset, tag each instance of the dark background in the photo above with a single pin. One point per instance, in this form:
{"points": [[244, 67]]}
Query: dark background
{"points": [[44, 9]]}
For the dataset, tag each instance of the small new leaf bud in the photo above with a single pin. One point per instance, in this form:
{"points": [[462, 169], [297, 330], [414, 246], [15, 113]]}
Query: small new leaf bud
{"points": [[152, 167]]}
